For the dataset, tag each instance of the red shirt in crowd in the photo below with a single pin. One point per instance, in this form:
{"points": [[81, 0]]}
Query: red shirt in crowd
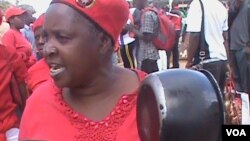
{"points": [[48, 117], [10, 65], [37, 74], [15, 39]]}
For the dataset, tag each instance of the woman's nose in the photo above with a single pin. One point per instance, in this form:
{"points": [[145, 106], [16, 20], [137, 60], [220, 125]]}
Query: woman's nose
{"points": [[49, 50]]}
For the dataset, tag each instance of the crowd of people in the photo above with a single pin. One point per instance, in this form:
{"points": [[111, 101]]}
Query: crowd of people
{"points": [[58, 77]]}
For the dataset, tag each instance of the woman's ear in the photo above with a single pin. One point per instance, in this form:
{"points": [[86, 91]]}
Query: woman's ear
{"points": [[106, 45]]}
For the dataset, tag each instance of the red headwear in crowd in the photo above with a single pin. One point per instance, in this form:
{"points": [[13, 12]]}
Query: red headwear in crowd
{"points": [[13, 11], [38, 22]]}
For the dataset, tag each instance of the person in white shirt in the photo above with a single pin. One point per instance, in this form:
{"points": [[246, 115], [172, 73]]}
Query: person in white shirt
{"points": [[215, 30]]}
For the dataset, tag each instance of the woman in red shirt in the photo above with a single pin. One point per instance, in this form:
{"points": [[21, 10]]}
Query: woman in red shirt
{"points": [[14, 38], [89, 97], [39, 72]]}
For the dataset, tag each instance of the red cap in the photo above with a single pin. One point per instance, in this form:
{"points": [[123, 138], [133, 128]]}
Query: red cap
{"points": [[110, 15], [38, 22], [13, 11]]}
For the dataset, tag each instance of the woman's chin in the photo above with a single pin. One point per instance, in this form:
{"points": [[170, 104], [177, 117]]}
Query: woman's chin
{"points": [[61, 83]]}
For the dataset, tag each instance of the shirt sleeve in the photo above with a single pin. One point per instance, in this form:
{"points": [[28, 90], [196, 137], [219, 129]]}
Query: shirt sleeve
{"points": [[225, 26], [147, 24], [17, 64], [8, 39], [194, 17]]}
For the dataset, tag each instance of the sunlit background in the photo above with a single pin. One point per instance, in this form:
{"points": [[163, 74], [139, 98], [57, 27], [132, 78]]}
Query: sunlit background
{"points": [[39, 5]]}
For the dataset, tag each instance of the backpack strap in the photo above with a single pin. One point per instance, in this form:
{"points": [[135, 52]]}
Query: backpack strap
{"points": [[248, 20], [137, 17], [202, 34]]}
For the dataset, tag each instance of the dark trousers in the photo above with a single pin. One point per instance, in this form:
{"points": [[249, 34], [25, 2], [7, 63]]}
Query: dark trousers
{"points": [[127, 55], [174, 52], [149, 66], [218, 69]]}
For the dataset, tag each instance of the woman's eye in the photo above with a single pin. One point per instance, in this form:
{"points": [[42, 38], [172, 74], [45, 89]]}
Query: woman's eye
{"points": [[62, 38]]}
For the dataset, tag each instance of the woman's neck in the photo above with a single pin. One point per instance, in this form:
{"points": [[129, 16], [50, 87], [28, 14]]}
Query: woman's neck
{"points": [[100, 95], [97, 89]]}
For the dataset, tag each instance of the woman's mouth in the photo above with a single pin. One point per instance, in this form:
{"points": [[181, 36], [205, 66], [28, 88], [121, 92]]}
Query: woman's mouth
{"points": [[56, 69]]}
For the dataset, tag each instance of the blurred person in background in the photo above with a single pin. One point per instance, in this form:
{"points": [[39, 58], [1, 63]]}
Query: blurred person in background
{"points": [[39, 72], [149, 26], [4, 26], [216, 38], [136, 11], [27, 30], [175, 16], [13, 92], [127, 44], [239, 17], [14, 38], [29, 19]]}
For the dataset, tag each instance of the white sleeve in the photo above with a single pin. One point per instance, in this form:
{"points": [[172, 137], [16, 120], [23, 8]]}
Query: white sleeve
{"points": [[194, 17], [225, 26]]}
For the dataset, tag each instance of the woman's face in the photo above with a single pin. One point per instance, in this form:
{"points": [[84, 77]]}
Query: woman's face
{"points": [[71, 49], [39, 40]]}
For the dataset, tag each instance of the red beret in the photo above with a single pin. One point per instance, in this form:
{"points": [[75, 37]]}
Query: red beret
{"points": [[38, 22], [110, 15], [13, 11]]}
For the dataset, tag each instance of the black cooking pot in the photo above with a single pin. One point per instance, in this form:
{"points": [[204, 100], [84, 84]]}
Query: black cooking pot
{"points": [[180, 105]]}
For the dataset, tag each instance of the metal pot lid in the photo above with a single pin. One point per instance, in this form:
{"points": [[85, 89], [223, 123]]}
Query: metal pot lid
{"points": [[179, 105]]}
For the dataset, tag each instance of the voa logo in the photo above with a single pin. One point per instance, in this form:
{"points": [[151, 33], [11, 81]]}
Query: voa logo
{"points": [[236, 132]]}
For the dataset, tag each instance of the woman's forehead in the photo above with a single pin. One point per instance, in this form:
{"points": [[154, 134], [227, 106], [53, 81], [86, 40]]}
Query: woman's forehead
{"points": [[60, 15], [58, 9]]}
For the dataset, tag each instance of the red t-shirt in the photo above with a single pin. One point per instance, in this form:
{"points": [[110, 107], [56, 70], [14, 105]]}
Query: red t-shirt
{"points": [[37, 74], [15, 39], [48, 117], [10, 65]]}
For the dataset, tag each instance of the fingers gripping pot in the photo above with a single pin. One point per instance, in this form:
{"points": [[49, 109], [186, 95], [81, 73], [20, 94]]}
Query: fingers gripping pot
{"points": [[180, 105]]}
